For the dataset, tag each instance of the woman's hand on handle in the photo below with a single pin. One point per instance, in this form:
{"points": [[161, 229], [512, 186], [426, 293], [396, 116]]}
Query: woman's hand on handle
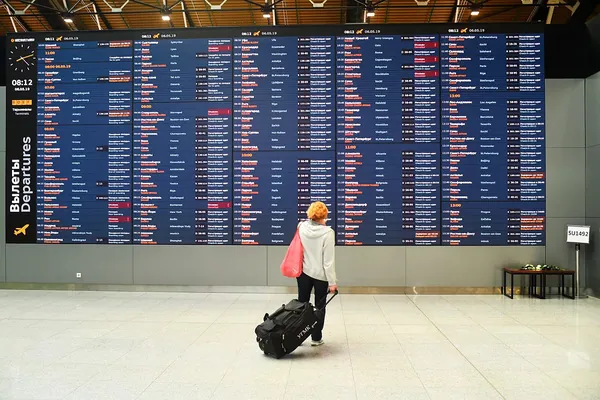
{"points": [[333, 288]]}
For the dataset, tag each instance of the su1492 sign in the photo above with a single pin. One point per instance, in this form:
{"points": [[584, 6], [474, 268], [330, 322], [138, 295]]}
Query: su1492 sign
{"points": [[578, 234]]}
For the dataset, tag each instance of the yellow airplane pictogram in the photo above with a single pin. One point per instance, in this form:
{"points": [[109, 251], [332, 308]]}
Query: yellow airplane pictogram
{"points": [[21, 230], [59, 39], [464, 30], [360, 31], [156, 36], [257, 33]]}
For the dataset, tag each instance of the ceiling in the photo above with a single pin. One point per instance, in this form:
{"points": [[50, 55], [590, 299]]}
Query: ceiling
{"points": [[45, 15]]}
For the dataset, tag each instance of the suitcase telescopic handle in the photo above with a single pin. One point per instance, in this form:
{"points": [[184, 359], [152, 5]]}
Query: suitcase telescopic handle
{"points": [[329, 301]]}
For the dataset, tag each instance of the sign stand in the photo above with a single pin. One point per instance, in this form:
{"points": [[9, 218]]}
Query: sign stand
{"points": [[578, 234]]}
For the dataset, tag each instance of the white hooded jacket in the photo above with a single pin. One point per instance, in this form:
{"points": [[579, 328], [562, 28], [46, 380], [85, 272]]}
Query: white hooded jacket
{"points": [[319, 251]]}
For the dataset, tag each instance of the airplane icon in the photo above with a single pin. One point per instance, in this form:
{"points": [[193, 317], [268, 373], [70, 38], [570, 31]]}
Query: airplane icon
{"points": [[21, 230], [257, 33], [58, 39], [360, 31], [156, 36], [464, 30]]}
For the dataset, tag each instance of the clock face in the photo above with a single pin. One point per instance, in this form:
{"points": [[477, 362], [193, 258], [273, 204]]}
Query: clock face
{"points": [[22, 58]]}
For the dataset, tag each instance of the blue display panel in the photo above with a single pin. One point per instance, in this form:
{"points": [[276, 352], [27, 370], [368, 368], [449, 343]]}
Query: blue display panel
{"points": [[490, 224], [493, 139], [182, 141], [388, 194], [84, 107], [284, 129], [387, 89], [273, 189], [412, 135], [388, 154], [283, 93]]}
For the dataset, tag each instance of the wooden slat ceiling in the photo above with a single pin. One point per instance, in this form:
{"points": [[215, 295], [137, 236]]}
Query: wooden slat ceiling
{"points": [[288, 12]]}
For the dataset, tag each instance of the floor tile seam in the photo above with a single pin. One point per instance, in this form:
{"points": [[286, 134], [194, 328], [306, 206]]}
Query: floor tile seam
{"points": [[350, 355], [86, 381], [461, 353], [161, 374], [551, 340], [155, 379], [177, 358], [497, 307], [548, 375], [404, 352], [414, 370], [216, 387], [391, 328], [70, 352], [287, 382]]}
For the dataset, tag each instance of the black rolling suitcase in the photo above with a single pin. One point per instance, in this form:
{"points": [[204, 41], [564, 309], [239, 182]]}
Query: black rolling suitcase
{"points": [[287, 328]]}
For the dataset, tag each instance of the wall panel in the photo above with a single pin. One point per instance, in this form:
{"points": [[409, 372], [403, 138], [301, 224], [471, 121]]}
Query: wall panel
{"points": [[200, 265], [592, 177], [565, 113], [592, 159], [2, 218], [565, 182], [592, 110], [465, 266], [592, 257], [32, 263]]}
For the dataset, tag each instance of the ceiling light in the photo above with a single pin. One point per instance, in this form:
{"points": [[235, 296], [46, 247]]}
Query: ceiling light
{"points": [[266, 12], [68, 18], [165, 14], [474, 11], [370, 11]]}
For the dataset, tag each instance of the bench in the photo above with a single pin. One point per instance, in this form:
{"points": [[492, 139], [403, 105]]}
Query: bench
{"points": [[533, 274]]}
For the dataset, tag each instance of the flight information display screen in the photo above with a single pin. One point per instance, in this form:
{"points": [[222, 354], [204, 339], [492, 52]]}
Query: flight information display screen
{"points": [[411, 134], [493, 148]]}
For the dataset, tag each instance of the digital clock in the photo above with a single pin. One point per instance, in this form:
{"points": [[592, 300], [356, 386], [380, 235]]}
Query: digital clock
{"points": [[21, 82]]}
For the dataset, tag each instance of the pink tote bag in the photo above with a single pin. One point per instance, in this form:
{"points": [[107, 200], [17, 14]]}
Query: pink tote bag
{"points": [[291, 266]]}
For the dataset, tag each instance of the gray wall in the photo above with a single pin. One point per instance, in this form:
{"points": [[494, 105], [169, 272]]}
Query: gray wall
{"points": [[2, 182], [372, 266], [565, 167], [592, 118]]}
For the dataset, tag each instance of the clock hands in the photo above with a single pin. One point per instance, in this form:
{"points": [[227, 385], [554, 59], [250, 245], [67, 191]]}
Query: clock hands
{"points": [[24, 57]]}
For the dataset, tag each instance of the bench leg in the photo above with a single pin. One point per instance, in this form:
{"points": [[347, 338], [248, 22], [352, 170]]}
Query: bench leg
{"points": [[512, 286], [543, 288], [503, 290], [572, 297], [531, 285]]}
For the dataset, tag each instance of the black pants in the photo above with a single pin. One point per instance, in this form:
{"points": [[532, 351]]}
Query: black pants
{"points": [[305, 287]]}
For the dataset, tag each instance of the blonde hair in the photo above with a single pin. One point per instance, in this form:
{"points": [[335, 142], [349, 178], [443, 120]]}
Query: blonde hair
{"points": [[317, 211]]}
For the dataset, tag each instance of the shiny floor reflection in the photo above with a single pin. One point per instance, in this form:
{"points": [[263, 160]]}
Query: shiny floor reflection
{"points": [[105, 345]]}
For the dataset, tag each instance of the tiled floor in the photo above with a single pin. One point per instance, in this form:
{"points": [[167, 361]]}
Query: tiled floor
{"points": [[163, 346]]}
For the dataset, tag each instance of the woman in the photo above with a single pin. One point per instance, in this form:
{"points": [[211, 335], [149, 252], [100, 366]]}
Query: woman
{"points": [[318, 267]]}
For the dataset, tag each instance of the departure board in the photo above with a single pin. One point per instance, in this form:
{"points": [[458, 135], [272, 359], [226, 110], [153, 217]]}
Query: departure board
{"points": [[182, 130], [493, 157], [412, 135], [388, 151], [84, 142]]}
